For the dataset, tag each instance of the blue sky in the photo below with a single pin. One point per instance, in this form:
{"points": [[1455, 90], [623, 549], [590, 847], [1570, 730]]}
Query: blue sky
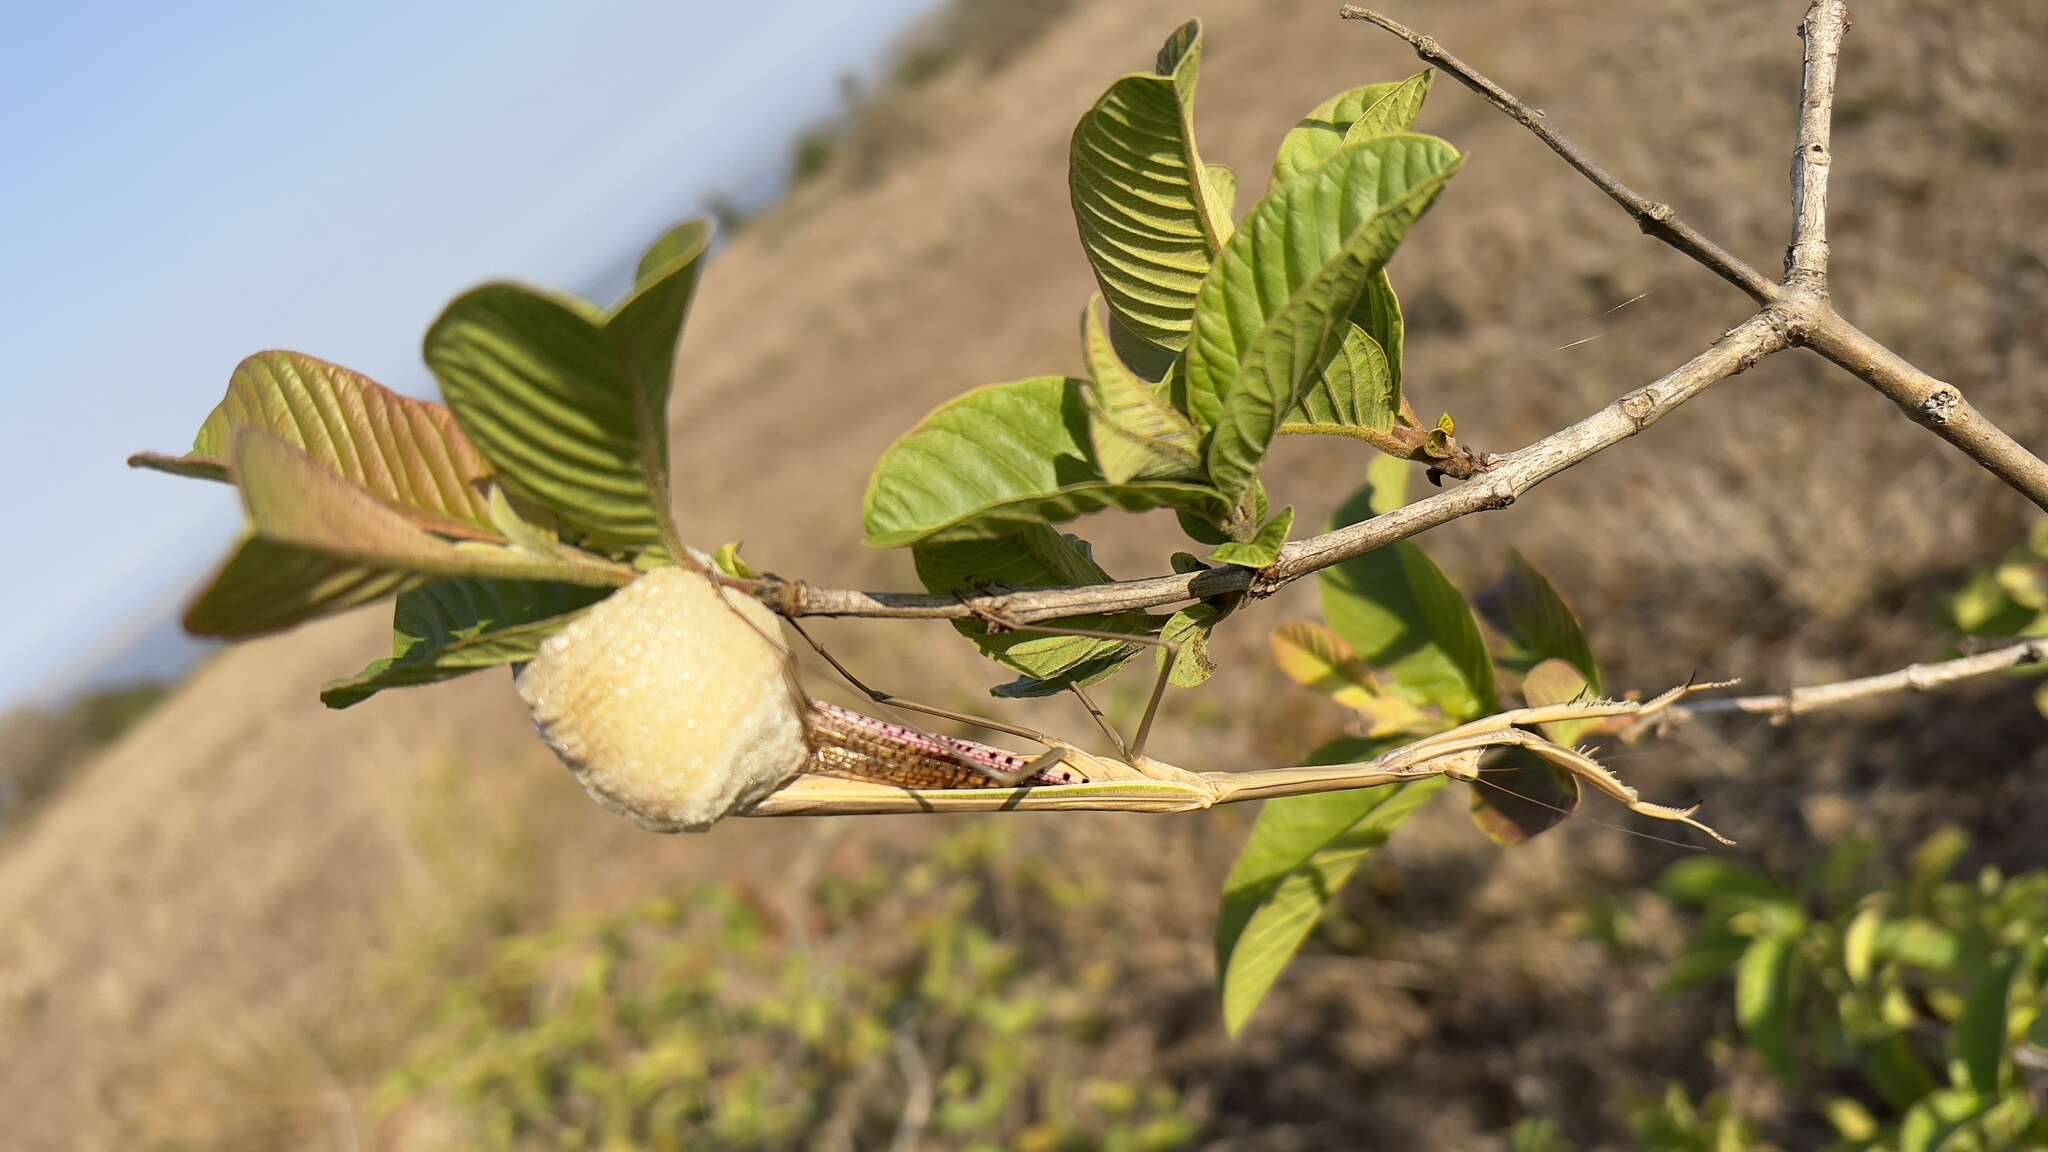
{"points": [[188, 183]]}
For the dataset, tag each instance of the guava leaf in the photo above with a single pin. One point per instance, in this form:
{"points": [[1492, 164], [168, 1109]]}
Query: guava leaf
{"points": [[1319, 659], [1401, 615], [1274, 307], [1000, 456], [1188, 631], [1543, 625], [1150, 221], [1361, 113], [1519, 795], [1763, 1003], [1301, 853], [450, 628], [1263, 549], [1135, 433], [318, 544], [568, 402], [1032, 556], [408, 453], [1355, 392]]}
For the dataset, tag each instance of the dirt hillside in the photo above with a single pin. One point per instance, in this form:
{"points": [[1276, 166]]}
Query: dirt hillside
{"points": [[235, 861]]}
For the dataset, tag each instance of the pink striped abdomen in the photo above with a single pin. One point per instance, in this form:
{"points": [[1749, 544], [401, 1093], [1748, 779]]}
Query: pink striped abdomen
{"points": [[854, 744]]}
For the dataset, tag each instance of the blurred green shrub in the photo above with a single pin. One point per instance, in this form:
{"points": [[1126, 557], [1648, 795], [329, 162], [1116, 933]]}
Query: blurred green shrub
{"points": [[2009, 600], [931, 1002], [1908, 1014]]}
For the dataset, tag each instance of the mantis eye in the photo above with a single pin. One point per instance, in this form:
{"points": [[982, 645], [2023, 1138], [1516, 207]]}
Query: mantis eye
{"points": [[668, 701]]}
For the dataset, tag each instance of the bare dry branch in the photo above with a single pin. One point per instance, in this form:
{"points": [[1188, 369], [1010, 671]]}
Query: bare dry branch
{"points": [[1500, 486], [1806, 259], [1913, 678], [1934, 404], [1654, 218]]}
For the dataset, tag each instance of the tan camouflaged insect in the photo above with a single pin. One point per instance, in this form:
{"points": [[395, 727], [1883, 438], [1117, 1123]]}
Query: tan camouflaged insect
{"points": [[672, 703]]}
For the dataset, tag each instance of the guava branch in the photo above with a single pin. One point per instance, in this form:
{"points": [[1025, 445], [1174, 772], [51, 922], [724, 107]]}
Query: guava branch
{"points": [[1806, 259], [1934, 404], [1766, 332], [1912, 678]]}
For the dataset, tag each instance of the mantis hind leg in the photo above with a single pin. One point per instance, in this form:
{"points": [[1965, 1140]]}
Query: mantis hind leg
{"points": [[1591, 771]]}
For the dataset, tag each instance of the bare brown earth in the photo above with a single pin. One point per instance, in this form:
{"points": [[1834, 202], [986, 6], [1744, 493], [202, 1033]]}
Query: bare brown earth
{"points": [[201, 907]]}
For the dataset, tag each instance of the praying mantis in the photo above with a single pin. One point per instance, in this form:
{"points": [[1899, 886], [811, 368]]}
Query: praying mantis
{"points": [[675, 705]]}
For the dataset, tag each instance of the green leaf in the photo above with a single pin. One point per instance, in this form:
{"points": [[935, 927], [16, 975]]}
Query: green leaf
{"points": [[1263, 549], [1542, 624], [450, 628], [407, 453], [999, 456], [1150, 223], [729, 561], [1979, 1039], [1763, 1003], [1522, 794], [1148, 360], [1386, 489], [1921, 944], [1032, 556], [1850, 1119], [1555, 681], [680, 245], [2025, 581], [1378, 314], [1136, 434], [569, 403], [319, 544], [1301, 853], [1319, 659], [1222, 180], [1982, 608], [1929, 1123], [1932, 862], [1402, 615], [1364, 112], [1519, 795], [1859, 943], [1701, 880], [1355, 393], [1273, 309], [1188, 631], [265, 586], [1705, 960], [1895, 1070]]}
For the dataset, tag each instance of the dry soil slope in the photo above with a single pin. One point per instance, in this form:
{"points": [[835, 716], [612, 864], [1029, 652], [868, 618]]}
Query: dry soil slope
{"points": [[234, 855]]}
